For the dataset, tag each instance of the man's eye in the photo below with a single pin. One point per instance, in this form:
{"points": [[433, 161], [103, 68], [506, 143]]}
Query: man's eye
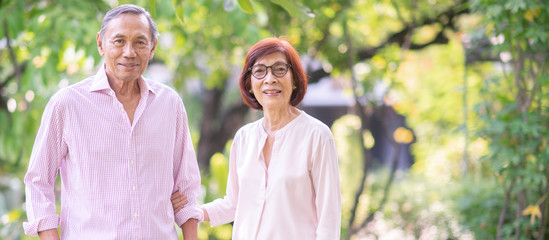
{"points": [[118, 41]]}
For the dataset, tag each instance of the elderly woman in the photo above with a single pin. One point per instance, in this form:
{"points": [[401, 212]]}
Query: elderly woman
{"points": [[283, 171]]}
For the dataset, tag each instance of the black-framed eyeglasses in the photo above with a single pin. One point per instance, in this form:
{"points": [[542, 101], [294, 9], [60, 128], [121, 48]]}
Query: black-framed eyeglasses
{"points": [[259, 71]]}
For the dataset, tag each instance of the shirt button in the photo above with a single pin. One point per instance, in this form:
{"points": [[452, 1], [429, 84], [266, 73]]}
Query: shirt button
{"points": [[133, 162], [134, 188], [137, 215]]}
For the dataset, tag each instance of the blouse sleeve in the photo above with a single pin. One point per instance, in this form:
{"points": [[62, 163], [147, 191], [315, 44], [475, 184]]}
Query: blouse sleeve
{"points": [[325, 176]]}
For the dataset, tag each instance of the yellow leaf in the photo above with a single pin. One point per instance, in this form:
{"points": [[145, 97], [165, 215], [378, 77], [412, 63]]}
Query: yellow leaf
{"points": [[531, 14], [533, 211]]}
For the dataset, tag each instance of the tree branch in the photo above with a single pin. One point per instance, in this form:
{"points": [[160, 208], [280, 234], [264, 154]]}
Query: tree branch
{"points": [[481, 50], [22, 68], [214, 134], [446, 19], [363, 117], [387, 188], [504, 210], [521, 203], [544, 208], [211, 104], [13, 59]]}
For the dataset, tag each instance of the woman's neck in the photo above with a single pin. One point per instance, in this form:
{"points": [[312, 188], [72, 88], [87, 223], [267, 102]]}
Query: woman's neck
{"points": [[275, 119]]}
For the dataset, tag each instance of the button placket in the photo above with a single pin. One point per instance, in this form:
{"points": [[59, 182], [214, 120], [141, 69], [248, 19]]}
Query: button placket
{"points": [[134, 183]]}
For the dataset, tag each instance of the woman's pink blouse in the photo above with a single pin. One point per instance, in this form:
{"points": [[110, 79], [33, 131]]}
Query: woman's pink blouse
{"points": [[297, 197]]}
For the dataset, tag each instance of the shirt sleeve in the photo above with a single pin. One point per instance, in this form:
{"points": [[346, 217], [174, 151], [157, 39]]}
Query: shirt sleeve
{"points": [[48, 152], [186, 173], [222, 211], [325, 176]]}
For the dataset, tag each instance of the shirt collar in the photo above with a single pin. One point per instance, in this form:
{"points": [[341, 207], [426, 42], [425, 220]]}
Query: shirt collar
{"points": [[101, 82]]}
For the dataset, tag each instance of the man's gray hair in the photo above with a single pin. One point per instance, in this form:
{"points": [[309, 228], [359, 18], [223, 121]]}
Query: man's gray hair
{"points": [[132, 9]]}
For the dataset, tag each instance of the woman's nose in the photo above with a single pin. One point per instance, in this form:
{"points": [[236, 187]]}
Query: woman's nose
{"points": [[269, 77]]}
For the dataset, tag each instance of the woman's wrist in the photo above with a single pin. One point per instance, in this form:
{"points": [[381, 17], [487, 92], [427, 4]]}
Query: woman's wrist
{"points": [[206, 216]]}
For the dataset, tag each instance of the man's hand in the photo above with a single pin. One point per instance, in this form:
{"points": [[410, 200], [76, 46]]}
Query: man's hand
{"points": [[178, 201], [50, 234]]}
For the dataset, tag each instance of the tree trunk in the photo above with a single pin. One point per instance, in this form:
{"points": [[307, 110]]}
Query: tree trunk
{"points": [[504, 210], [217, 126]]}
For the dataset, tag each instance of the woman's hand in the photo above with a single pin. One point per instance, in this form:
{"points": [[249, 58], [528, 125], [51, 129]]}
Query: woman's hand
{"points": [[178, 201], [206, 215]]}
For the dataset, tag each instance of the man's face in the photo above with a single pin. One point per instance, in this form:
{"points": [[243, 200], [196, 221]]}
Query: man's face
{"points": [[127, 47]]}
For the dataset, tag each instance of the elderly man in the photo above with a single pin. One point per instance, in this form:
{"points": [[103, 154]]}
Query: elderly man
{"points": [[121, 144]]}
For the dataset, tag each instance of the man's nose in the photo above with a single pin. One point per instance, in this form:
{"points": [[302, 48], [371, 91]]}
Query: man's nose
{"points": [[129, 50]]}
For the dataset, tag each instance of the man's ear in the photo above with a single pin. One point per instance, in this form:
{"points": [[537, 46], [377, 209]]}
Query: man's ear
{"points": [[99, 44]]}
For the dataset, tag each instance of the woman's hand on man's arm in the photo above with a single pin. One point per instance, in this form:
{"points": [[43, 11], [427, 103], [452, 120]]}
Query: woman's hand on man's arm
{"points": [[178, 201]]}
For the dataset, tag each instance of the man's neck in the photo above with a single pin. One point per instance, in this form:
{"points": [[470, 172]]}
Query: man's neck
{"points": [[125, 89], [127, 93]]}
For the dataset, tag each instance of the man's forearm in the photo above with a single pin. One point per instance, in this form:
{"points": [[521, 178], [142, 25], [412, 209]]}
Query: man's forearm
{"points": [[50, 234], [190, 229]]}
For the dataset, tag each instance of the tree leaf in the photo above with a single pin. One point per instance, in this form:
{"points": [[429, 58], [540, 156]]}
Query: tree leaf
{"points": [[294, 9], [179, 11], [246, 6], [533, 211]]}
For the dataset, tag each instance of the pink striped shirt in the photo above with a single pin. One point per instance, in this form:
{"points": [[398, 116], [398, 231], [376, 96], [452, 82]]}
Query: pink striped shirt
{"points": [[117, 177]]}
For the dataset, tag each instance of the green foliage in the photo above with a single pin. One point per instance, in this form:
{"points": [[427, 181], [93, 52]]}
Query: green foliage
{"points": [[294, 9], [420, 208], [38, 64], [474, 201], [516, 116], [44, 45], [216, 183]]}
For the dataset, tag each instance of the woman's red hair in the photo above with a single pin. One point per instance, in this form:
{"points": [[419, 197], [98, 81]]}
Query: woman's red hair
{"points": [[263, 48]]}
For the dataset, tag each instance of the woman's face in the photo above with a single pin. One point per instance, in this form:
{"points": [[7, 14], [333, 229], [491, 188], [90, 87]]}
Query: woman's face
{"points": [[274, 90]]}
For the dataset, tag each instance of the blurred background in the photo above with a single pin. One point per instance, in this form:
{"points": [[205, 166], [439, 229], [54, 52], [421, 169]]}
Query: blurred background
{"points": [[439, 107]]}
